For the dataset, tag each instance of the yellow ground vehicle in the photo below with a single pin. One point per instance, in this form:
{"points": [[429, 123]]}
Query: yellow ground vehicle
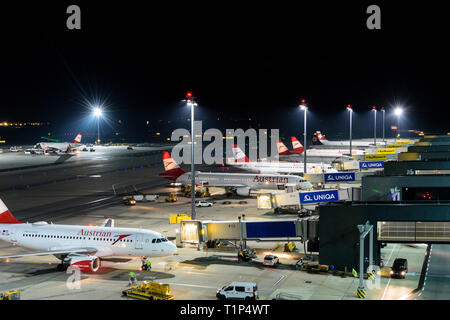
{"points": [[149, 291], [129, 201], [200, 192], [177, 217], [289, 247], [171, 198], [10, 295]]}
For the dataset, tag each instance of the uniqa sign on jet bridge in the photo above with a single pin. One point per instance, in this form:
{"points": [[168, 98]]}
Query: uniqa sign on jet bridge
{"points": [[371, 164], [338, 177], [319, 196]]}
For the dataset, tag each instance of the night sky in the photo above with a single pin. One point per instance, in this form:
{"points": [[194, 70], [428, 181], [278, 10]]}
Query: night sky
{"points": [[242, 62]]}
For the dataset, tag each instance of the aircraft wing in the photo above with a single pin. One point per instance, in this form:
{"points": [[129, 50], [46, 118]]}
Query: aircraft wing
{"points": [[44, 253]]}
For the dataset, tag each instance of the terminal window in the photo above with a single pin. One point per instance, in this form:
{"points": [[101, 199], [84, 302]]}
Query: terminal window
{"points": [[413, 231]]}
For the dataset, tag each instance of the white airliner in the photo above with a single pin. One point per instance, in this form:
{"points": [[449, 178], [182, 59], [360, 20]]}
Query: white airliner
{"points": [[241, 183], [241, 161], [81, 247], [355, 142], [315, 152], [59, 146]]}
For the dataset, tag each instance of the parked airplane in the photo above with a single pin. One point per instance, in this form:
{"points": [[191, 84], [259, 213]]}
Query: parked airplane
{"points": [[315, 152], [355, 142], [241, 161], [81, 247], [57, 147], [241, 183]]}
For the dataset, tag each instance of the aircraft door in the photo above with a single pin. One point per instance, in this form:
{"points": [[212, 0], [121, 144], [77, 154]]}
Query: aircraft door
{"points": [[138, 243]]}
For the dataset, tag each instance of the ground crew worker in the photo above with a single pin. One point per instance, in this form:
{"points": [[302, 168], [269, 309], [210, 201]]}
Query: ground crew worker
{"points": [[132, 278], [144, 263], [149, 265]]}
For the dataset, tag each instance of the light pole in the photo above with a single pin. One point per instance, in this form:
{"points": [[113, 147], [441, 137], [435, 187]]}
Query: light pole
{"points": [[382, 109], [398, 112], [98, 113], [304, 108], [191, 103], [374, 109], [349, 108]]}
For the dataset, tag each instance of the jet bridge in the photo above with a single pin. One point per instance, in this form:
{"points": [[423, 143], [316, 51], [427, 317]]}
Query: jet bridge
{"points": [[259, 230]]}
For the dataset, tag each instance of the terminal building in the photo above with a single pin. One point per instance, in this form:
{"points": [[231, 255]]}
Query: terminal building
{"points": [[408, 203]]}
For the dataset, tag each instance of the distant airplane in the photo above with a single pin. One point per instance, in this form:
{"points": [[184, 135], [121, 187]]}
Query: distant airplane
{"points": [[81, 247], [57, 147], [241, 161], [241, 183], [355, 142], [315, 152]]}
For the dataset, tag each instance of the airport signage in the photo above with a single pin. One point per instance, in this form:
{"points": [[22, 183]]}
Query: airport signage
{"points": [[397, 145], [376, 157], [319, 196], [404, 142], [371, 165], [386, 150], [340, 176]]}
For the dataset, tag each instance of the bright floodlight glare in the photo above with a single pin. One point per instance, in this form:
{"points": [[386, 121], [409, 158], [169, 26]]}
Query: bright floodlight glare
{"points": [[303, 107], [97, 112], [398, 111]]}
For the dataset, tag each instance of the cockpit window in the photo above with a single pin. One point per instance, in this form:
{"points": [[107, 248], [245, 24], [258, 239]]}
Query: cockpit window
{"points": [[153, 240], [158, 240]]}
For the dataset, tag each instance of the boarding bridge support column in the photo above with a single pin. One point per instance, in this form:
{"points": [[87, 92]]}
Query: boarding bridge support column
{"points": [[240, 233], [364, 229]]}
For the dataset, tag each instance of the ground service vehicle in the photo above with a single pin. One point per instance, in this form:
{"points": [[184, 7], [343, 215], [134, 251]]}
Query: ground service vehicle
{"points": [[399, 268], [203, 204], [238, 290], [271, 260], [10, 295], [171, 198], [247, 254], [129, 201], [149, 291], [177, 217], [151, 197]]}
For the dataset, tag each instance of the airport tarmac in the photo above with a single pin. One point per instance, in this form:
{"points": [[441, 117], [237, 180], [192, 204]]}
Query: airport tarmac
{"points": [[85, 192]]}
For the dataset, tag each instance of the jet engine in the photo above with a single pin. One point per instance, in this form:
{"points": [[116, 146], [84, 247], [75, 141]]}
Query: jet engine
{"points": [[85, 263]]}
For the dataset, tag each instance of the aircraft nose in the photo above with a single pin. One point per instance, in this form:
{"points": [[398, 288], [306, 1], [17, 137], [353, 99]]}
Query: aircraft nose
{"points": [[172, 248], [306, 185]]}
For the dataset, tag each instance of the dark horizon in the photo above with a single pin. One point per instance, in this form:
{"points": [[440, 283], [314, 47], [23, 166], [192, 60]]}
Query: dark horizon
{"points": [[236, 72]]}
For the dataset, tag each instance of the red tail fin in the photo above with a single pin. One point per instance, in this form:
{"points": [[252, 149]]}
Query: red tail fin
{"points": [[77, 138], [282, 149], [239, 155], [172, 170], [320, 136], [298, 148], [5, 215]]}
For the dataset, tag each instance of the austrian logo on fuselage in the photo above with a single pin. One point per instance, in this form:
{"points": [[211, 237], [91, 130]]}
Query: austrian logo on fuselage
{"points": [[271, 179]]}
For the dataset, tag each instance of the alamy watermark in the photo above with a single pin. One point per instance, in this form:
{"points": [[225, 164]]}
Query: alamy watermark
{"points": [[73, 282], [213, 153]]}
